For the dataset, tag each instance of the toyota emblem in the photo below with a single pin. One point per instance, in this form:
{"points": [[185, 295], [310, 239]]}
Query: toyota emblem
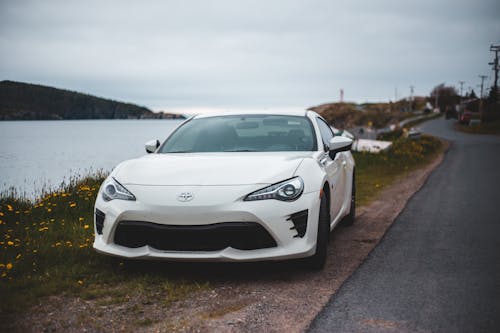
{"points": [[185, 196]]}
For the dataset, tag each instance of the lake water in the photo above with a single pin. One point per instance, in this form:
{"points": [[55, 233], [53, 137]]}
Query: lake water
{"points": [[42, 154]]}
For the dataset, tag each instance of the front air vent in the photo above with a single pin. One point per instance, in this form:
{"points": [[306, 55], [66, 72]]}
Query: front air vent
{"points": [[299, 221], [99, 221]]}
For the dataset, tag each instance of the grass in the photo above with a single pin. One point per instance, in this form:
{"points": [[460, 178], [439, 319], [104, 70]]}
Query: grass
{"points": [[377, 171], [482, 128], [46, 245], [46, 249]]}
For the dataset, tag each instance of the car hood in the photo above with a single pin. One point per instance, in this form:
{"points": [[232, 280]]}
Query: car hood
{"points": [[210, 168]]}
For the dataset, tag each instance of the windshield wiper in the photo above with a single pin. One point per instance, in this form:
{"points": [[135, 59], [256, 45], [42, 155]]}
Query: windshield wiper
{"points": [[238, 150]]}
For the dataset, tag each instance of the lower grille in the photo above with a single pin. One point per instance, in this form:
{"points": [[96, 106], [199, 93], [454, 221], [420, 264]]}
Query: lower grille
{"points": [[210, 237]]}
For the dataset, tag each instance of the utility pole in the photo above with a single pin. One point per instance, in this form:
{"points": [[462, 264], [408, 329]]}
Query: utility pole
{"points": [[411, 98], [481, 96], [496, 49], [436, 98], [483, 77], [461, 88]]}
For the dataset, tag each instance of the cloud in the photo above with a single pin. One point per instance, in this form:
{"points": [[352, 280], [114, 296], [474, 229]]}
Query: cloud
{"points": [[186, 54]]}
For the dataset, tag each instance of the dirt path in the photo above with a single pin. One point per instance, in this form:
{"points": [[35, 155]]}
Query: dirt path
{"points": [[255, 297]]}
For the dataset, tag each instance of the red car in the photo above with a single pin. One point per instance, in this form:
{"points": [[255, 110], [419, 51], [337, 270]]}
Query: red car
{"points": [[465, 117]]}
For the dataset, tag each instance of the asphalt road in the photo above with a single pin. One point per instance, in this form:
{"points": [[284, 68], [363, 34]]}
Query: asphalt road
{"points": [[437, 269]]}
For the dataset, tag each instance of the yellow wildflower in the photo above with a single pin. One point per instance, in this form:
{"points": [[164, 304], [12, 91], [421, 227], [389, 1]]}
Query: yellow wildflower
{"points": [[8, 266], [80, 282], [72, 204], [10, 243], [35, 251], [80, 219], [2, 265], [18, 256], [49, 210], [86, 226], [1, 214], [9, 208]]}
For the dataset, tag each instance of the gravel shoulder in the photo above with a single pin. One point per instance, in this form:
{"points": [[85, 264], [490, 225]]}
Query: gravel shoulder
{"points": [[253, 297]]}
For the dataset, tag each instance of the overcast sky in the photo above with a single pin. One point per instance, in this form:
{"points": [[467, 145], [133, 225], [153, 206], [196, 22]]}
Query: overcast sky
{"points": [[189, 54]]}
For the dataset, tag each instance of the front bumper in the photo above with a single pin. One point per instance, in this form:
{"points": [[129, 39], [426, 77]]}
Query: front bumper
{"points": [[272, 215]]}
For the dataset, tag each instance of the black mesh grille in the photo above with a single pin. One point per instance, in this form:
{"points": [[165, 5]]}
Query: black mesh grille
{"points": [[210, 237], [299, 221], [99, 221]]}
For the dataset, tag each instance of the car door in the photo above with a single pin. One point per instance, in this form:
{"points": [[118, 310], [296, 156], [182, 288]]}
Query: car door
{"points": [[334, 170]]}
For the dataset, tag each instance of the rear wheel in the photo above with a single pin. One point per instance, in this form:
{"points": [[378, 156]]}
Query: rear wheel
{"points": [[317, 261], [349, 219]]}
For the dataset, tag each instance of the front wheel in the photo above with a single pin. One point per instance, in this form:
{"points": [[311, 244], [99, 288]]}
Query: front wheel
{"points": [[317, 261]]}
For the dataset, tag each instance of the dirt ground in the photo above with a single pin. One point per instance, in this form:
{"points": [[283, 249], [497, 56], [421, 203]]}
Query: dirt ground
{"points": [[253, 297]]}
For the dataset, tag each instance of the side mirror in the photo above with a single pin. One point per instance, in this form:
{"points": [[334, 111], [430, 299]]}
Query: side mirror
{"points": [[338, 144], [152, 145]]}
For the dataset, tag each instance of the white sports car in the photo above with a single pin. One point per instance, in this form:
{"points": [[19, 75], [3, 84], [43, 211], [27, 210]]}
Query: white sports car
{"points": [[231, 187]]}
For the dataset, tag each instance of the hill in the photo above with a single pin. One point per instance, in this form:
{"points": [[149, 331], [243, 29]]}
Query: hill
{"points": [[349, 115], [23, 101]]}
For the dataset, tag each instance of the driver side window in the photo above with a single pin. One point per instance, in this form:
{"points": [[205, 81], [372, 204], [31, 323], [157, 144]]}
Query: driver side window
{"points": [[326, 132]]}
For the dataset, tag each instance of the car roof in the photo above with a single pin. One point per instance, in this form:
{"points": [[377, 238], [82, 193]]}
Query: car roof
{"points": [[283, 112]]}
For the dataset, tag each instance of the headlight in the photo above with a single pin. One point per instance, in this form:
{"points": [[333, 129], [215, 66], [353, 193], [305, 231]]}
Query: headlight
{"points": [[287, 190], [112, 189]]}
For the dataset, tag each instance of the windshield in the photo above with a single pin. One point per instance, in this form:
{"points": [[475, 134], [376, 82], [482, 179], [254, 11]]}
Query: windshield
{"points": [[259, 133]]}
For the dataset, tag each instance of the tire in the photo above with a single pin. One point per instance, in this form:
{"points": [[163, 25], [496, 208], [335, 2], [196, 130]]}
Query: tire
{"points": [[348, 220], [317, 261]]}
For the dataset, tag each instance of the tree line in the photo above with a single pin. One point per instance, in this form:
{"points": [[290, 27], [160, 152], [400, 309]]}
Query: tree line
{"points": [[23, 101]]}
